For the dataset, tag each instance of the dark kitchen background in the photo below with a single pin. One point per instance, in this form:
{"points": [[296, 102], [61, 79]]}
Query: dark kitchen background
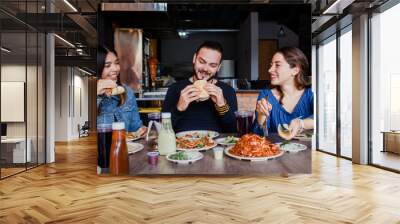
{"points": [[249, 34]]}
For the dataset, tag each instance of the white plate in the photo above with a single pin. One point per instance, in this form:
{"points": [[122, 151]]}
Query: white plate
{"points": [[134, 147], [221, 141], [292, 147], [192, 157], [197, 134], [251, 158], [197, 149]]}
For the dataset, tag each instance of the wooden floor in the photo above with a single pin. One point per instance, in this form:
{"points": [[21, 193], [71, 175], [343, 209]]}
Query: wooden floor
{"points": [[69, 191], [386, 159], [10, 171]]}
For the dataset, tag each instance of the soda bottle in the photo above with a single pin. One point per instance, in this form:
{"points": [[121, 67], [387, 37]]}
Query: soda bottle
{"points": [[119, 162]]}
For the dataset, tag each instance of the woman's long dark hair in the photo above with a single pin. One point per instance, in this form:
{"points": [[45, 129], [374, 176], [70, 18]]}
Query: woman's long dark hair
{"points": [[295, 57], [102, 52]]}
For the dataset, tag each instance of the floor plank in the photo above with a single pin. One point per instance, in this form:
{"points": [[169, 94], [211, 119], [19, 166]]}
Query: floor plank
{"points": [[70, 191]]}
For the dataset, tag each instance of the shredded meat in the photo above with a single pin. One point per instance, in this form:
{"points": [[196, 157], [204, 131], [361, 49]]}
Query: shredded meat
{"points": [[185, 143]]}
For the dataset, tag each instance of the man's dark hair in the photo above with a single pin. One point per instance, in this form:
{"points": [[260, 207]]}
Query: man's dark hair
{"points": [[213, 45]]}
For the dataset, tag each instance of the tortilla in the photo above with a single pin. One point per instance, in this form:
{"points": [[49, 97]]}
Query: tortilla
{"points": [[284, 133], [117, 90], [203, 93]]}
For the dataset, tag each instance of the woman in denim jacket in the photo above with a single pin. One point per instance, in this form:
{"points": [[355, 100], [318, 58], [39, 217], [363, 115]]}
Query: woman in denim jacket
{"points": [[121, 107]]}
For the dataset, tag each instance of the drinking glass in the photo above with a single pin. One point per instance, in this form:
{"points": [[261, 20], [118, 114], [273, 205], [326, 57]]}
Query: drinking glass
{"points": [[244, 119], [154, 121], [104, 139], [154, 117]]}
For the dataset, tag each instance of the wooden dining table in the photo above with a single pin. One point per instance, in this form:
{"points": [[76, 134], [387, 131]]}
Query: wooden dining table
{"points": [[288, 163]]}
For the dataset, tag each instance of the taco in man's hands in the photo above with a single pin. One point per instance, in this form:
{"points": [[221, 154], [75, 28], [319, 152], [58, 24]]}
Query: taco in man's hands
{"points": [[203, 93]]}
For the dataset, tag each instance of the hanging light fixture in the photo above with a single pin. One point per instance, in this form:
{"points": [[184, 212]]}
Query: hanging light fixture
{"points": [[183, 34], [281, 32]]}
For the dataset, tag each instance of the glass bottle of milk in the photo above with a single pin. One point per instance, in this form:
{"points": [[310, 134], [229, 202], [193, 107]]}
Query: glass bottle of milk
{"points": [[166, 137]]}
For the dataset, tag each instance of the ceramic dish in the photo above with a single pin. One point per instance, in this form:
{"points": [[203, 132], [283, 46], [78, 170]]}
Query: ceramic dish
{"points": [[184, 157], [197, 149], [292, 147], [227, 141], [251, 158], [197, 134], [134, 147]]}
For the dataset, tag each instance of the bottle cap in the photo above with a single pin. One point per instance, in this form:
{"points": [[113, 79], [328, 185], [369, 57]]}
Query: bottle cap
{"points": [[118, 125], [165, 115]]}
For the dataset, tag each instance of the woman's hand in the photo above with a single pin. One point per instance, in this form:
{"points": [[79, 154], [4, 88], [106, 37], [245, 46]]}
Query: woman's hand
{"points": [[105, 86], [296, 126], [263, 109]]}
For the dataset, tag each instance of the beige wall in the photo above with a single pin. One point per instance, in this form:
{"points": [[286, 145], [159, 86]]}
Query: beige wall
{"points": [[34, 125], [247, 100], [17, 73]]}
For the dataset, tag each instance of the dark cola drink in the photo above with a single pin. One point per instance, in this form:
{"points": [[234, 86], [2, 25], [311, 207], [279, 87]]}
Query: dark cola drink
{"points": [[104, 139], [154, 117], [244, 120]]}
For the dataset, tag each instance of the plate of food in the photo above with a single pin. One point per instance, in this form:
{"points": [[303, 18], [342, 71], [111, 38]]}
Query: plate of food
{"points": [[184, 157], [252, 147], [227, 141], [197, 134], [194, 144], [132, 136], [291, 146], [134, 147]]}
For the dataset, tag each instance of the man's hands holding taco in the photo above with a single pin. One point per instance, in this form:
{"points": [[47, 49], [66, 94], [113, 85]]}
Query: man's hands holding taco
{"points": [[200, 90]]}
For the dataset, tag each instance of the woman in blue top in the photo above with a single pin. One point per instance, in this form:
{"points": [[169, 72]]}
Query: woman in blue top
{"points": [[289, 100], [111, 108]]}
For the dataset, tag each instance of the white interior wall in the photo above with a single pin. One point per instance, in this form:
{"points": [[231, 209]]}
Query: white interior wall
{"points": [[80, 110], [71, 102], [61, 104], [16, 73]]}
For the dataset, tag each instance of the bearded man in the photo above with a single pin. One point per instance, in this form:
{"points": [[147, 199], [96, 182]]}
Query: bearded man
{"points": [[202, 102]]}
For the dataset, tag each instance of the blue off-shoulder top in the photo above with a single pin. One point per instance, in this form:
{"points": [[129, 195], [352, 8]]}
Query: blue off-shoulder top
{"points": [[278, 115]]}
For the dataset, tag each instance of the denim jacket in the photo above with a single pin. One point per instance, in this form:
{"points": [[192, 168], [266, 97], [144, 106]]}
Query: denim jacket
{"points": [[109, 111]]}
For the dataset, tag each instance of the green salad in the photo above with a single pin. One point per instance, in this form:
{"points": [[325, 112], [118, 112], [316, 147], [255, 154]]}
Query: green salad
{"points": [[211, 134], [230, 140], [179, 156]]}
